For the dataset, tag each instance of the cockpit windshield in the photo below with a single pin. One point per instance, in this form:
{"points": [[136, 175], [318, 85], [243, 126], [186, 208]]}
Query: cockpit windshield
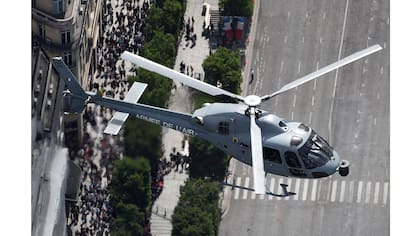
{"points": [[315, 152]]}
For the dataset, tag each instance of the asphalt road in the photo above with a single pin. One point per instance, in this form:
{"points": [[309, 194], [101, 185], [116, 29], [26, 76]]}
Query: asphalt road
{"points": [[349, 107]]}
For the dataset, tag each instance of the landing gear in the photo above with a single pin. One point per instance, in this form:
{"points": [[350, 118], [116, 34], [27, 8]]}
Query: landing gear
{"points": [[343, 170]]}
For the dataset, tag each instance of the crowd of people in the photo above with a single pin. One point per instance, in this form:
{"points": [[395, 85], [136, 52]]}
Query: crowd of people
{"points": [[123, 24]]}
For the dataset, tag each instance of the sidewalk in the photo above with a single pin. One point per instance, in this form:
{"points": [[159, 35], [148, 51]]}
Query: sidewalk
{"points": [[180, 100]]}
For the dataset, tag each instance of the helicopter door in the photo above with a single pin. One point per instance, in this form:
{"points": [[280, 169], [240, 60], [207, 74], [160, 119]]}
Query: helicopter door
{"points": [[293, 162]]}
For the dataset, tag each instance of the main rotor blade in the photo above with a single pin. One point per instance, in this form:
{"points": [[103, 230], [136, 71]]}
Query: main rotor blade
{"points": [[177, 76], [325, 70], [257, 156]]}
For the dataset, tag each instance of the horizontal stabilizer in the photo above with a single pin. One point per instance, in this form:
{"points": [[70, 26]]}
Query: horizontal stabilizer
{"points": [[118, 119]]}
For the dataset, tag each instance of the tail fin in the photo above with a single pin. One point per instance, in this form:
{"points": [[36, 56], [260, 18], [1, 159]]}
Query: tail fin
{"points": [[75, 101]]}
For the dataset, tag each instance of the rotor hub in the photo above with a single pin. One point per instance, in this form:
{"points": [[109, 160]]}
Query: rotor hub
{"points": [[252, 100]]}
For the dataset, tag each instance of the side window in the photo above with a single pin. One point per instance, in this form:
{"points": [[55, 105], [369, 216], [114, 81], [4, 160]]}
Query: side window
{"points": [[272, 155], [292, 160], [223, 128]]}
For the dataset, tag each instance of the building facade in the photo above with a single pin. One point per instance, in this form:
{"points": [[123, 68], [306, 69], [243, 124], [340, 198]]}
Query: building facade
{"points": [[69, 29]]}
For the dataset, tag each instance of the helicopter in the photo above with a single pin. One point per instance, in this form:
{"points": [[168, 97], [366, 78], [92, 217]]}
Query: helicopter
{"points": [[261, 139]]}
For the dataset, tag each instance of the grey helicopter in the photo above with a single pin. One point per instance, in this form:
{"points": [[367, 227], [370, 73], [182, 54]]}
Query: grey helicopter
{"points": [[268, 143]]}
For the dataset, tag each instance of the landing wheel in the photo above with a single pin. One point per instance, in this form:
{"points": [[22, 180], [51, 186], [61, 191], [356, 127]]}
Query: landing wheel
{"points": [[344, 168]]}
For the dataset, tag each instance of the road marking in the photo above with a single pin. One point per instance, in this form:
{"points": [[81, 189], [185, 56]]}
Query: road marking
{"points": [[363, 85], [342, 190], [387, 21], [303, 39], [288, 14], [359, 191], [297, 189], [310, 117], [292, 115], [271, 188], [334, 190], [262, 196], [374, 121], [324, 15], [279, 189], [376, 196], [382, 70], [305, 189], [289, 183], [313, 100], [317, 67], [245, 192], [351, 192], [378, 96], [315, 84], [320, 40], [360, 94], [285, 39], [307, 14], [299, 66], [385, 199], [238, 183], [368, 185], [281, 66], [294, 100], [336, 73], [313, 192]]}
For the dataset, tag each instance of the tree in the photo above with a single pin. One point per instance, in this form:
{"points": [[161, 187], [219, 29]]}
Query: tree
{"points": [[131, 184], [129, 220], [224, 67], [197, 212], [206, 160], [237, 7]]}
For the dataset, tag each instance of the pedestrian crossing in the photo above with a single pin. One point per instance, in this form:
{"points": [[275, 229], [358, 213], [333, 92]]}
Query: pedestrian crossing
{"points": [[311, 190]]}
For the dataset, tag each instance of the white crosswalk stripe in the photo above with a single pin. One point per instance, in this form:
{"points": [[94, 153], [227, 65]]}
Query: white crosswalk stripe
{"points": [[342, 190], [313, 192], [305, 189], [363, 192], [351, 192], [297, 185], [333, 191], [359, 191], [289, 183], [237, 183], [272, 181], [368, 186], [376, 196], [385, 196], [246, 185], [279, 189]]}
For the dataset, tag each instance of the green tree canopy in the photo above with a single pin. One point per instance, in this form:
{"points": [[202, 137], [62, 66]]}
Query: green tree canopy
{"points": [[197, 212], [131, 184], [206, 160], [224, 67], [129, 220], [237, 7]]}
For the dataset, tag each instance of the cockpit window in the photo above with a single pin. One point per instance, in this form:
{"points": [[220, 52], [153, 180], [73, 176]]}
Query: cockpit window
{"points": [[315, 152], [283, 123], [292, 160], [272, 155]]}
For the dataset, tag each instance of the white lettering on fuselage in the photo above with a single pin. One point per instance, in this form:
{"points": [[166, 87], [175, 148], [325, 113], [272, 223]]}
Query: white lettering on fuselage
{"points": [[166, 124]]}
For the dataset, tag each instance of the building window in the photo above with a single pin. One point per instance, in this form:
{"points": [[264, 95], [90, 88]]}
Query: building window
{"points": [[223, 128], [41, 30], [68, 58], [59, 6], [65, 37]]}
